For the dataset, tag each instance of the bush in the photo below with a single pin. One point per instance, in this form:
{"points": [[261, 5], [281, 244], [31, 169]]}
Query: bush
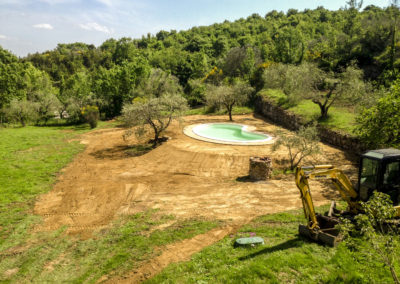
{"points": [[74, 113], [379, 125], [47, 105], [21, 111], [195, 92], [373, 229], [91, 115]]}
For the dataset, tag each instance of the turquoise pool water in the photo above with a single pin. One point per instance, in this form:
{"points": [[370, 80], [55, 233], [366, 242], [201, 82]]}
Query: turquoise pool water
{"points": [[229, 132]]}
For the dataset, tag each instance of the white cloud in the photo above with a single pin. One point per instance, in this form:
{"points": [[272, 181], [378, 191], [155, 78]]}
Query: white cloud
{"points": [[55, 2], [43, 26], [108, 3], [93, 26], [3, 37]]}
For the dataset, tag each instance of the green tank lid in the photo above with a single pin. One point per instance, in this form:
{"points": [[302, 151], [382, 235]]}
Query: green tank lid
{"points": [[249, 241]]}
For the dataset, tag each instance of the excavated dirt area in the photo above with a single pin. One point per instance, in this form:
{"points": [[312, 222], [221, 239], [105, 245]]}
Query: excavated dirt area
{"points": [[184, 177]]}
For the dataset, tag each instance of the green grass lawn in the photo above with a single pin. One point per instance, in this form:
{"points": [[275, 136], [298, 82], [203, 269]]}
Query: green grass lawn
{"points": [[285, 258], [339, 118], [31, 158], [277, 96]]}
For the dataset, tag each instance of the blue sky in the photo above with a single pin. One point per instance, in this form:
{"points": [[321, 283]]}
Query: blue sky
{"points": [[28, 26]]}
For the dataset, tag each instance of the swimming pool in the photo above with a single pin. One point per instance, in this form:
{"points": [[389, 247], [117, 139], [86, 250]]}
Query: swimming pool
{"points": [[229, 132]]}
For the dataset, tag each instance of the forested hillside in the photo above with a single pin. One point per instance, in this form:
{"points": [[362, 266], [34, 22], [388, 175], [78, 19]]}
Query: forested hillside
{"points": [[362, 41]]}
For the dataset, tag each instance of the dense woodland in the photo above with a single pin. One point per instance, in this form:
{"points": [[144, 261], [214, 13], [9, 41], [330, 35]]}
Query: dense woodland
{"points": [[349, 56]]}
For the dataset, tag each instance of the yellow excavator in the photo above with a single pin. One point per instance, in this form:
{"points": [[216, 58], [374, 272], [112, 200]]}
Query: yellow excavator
{"points": [[379, 170]]}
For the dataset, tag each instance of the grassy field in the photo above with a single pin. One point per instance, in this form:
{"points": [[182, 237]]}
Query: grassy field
{"points": [[31, 158], [285, 258], [339, 118]]}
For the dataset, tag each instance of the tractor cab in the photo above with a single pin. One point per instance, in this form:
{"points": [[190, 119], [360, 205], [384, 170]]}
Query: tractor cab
{"points": [[380, 170]]}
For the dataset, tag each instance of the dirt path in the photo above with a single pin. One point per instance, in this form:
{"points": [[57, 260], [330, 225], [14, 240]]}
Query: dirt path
{"points": [[181, 251], [184, 177]]}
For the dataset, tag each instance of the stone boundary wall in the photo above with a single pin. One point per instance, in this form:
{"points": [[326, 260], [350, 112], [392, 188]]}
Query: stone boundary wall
{"points": [[291, 121]]}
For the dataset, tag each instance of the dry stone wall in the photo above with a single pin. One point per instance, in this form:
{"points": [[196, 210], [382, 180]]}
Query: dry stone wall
{"points": [[291, 121], [277, 114], [260, 168]]}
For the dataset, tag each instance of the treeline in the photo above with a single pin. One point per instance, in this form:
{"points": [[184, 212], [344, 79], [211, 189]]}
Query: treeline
{"points": [[75, 75]]}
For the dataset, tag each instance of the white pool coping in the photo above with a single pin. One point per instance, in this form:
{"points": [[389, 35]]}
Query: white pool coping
{"points": [[191, 132]]}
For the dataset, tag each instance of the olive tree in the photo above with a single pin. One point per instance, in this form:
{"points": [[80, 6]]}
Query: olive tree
{"points": [[158, 102], [228, 96], [294, 81], [158, 83], [156, 113], [307, 81], [303, 144], [47, 105], [346, 87], [21, 111]]}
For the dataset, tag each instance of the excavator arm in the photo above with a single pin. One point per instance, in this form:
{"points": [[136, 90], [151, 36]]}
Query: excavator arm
{"points": [[321, 227]]}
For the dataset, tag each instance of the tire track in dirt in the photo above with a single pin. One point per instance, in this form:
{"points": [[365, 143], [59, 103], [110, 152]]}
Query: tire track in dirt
{"points": [[176, 252], [71, 214], [14, 251], [72, 228], [4, 255]]}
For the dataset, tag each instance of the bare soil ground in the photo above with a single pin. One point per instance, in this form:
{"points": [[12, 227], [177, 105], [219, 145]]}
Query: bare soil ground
{"points": [[184, 177]]}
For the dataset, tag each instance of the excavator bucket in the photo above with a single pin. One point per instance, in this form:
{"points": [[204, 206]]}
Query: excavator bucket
{"points": [[326, 234]]}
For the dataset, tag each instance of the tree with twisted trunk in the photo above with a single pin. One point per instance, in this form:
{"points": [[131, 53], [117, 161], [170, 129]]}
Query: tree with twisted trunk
{"points": [[307, 81], [228, 96], [345, 87], [304, 143], [156, 113]]}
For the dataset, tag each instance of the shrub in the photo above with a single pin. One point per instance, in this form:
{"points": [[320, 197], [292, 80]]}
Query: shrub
{"points": [[47, 105], [21, 111], [379, 125], [373, 229], [91, 115]]}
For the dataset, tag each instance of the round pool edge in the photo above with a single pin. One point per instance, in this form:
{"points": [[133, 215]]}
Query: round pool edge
{"points": [[188, 131]]}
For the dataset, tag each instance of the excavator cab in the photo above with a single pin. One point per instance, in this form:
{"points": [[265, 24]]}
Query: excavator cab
{"points": [[380, 170]]}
